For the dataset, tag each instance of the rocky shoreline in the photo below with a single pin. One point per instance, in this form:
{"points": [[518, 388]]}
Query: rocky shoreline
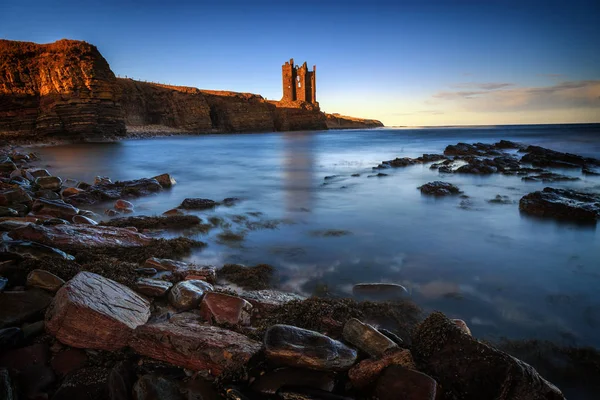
{"points": [[105, 310]]}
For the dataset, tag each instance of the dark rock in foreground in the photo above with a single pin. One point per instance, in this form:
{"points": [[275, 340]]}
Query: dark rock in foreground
{"points": [[468, 369], [19, 307], [439, 188], [412, 385], [562, 204], [158, 222]]}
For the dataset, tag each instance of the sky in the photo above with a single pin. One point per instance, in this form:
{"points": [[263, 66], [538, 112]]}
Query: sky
{"points": [[406, 63]]}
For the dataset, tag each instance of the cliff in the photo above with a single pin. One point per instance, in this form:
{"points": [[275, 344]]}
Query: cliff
{"points": [[337, 121], [66, 90], [58, 90]]}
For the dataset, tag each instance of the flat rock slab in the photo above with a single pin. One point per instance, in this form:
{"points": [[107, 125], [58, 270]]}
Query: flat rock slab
{"points": [[187, 343], [80, 236], [562, 204], [367, 338], [93, 312], [19, 307], [295, 347], [469, 369], [223, 308]]}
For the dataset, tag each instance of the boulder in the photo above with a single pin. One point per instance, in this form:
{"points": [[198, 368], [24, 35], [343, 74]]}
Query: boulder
{"points": [[71, 191], [41, 279], [123, 205], [295, 347], [462, 325], [367, 371], [80, 236], [407, 384], [24, 306], [82, 219], [562, 204], [32, 249], [438, 188], [367, 339], [469, 369], [14, 196], [223, 308], [165, 180], [39, 173], [186, 295], [93, 312], [121, 379], [187, 343], [198, 204], [152, 287], [105, 190], [53, 183], [54, 208]]}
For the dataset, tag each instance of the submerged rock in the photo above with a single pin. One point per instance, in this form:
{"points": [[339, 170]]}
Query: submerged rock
{"points": [[469, 369], [93, 312], [123, 205], [187, 343], [562, 204], [367, 338], [198, 204], [549, 177], [165, 180], [439, 188], [295, 347]]}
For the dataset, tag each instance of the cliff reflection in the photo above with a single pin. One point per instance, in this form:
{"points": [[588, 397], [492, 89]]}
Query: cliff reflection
{"points": [[298, 171]]}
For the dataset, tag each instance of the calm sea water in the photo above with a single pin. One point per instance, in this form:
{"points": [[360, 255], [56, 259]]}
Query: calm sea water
{"points": [[506, 274]]}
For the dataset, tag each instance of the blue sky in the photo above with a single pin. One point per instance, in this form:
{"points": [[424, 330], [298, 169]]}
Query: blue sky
{"points": [[404, 62]]}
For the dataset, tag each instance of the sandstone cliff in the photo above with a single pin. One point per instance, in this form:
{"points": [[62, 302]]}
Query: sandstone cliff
{"points": [[66, 90], [58, 90], [337, 121]]}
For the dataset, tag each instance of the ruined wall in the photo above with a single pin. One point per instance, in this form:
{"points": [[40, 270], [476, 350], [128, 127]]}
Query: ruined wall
{"points": [[58, 90], [299, 84]]}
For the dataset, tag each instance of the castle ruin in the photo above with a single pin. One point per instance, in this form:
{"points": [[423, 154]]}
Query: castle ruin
{"points": [[299, 84]]}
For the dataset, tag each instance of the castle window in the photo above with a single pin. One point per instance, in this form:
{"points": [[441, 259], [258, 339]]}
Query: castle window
{"points": [[299, 84]]}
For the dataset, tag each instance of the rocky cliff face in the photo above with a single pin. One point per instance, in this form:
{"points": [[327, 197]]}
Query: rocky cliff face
{"points": [[66, 90], [58, 90]]}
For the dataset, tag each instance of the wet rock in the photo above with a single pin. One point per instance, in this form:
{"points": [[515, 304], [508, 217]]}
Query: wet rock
{"points": [[159, 222], [562, 204], [33, 250], [367, 371], [272, 381], [469, 369], [54, 221], [10, 338], [165, 180], [123, 205], [186, 295], [47, 195], [107, 191], [93, 312], [80, 236], [84, 384], [549, 177], [54, 208], [111, 213], [121, 379], [102, 180], [465, 149], [541, 157], [378, 175], [152, 287], [39, 173], [53, 183], [295, 347], [189, 344], [8, 212], [412, 385], [501, 200], [41, 279], [264, 301], [7, 165], [478, 166], [379, 290], [14, 196], [71, 191], [590, 171], [198, 204], [230, 201], [7, 388], [355, 175], [367, 339], [23, 306], [173, 211], [82, 219], [438, 188], [68, 361], [223, 308], [462, 325], [83, 186]]}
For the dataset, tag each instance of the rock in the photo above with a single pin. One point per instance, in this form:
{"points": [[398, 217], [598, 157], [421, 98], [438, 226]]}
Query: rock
{"points": [[439, 188], [68, 361], [541, 157], [47, 195], [192, 345], [198, 204], [54, 208], [82, 219], [367, 339], [93, 312], [39, 173], [412, 385], [586, 170], [10, 337], [71, 191], [102, 180], [53, 183], [33, 250], [80, 236], [14, 196], [8, 212], [123, 205], [121, 379], [266, 300], [111, 213], [107, 191], [462, 325], [470, 369], [367, 371], [182, 269], [84, 384], [34, 329], [223, 308], [44, 280], [272, 381], [155, 387], [379, 290], [22, 359], [549, 177], [19, 307], [562, 204], [165, 180], [501, 200], [173, 211], [7, 165], [157, 222], [188, 294], [295, 347], [152, 287], [7, 388]]}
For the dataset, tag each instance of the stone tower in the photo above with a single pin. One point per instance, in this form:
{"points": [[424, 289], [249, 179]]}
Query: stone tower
{"points": [[299, 84]]}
